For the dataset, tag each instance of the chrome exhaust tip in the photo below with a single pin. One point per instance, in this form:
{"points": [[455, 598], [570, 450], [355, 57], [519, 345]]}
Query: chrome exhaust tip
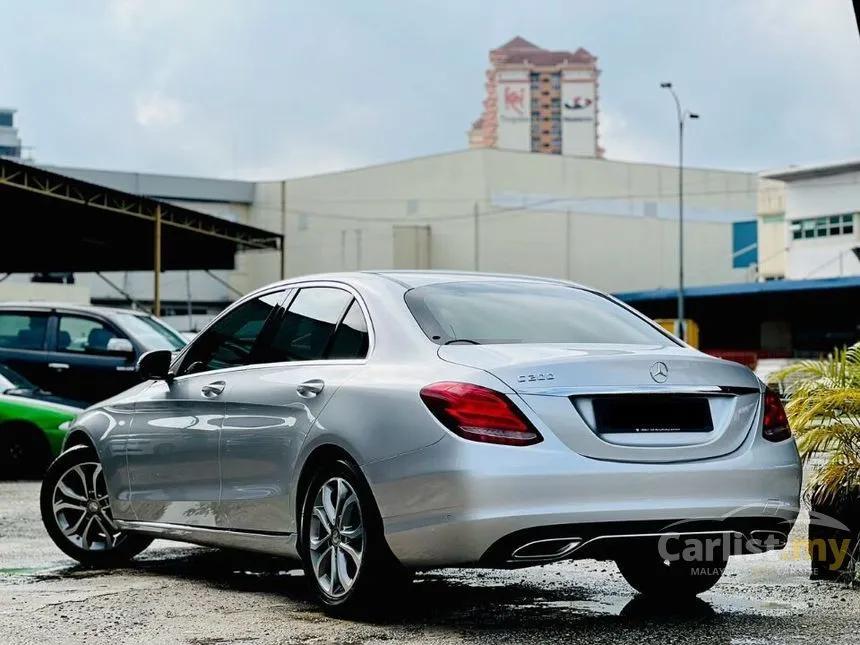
{"points": [[546, 550]]}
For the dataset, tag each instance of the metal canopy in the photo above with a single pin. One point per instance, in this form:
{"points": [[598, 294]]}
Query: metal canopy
{"points": [[52, 223]]}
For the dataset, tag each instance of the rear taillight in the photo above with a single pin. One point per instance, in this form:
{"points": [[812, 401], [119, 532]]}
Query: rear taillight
{"points": [[479, 414], [775, 426]]}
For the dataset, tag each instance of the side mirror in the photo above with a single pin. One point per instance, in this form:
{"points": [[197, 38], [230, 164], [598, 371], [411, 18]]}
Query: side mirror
{"points": [[120, 346], [155, 365]]}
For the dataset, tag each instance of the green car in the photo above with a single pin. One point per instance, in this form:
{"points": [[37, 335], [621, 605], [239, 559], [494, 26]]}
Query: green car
{"points": [[32, 426]]}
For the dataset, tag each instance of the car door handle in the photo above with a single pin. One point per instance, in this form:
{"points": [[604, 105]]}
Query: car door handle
{"points": [[310, 389], [212, 390], [58, 366]]}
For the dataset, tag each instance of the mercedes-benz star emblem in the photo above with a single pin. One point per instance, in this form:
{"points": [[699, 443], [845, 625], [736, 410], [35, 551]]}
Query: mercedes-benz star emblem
{"points": [[659, 372]]}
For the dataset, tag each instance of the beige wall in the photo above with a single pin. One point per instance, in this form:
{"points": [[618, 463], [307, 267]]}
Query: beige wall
{"points": [[45, 292], [609, 224], [772, 240]]}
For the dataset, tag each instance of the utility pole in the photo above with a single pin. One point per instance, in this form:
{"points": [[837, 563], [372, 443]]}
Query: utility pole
{"points": [[683, 115]]}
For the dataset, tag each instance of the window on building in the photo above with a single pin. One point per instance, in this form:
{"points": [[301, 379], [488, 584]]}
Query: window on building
{"points": [[555, 79], [6, 119], [829, 226], [10, 151]]}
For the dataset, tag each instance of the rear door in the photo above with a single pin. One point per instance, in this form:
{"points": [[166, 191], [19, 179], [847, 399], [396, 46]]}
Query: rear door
{"points": [[81, 362], [320, 341], [23, 335]]}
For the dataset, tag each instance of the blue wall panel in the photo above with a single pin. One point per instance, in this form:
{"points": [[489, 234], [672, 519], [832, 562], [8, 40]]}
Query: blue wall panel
{"points": [[744, 244]]}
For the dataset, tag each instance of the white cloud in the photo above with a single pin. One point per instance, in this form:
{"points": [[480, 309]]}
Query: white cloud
{"points": [[623, 143], [158, 111], [134, 16]]}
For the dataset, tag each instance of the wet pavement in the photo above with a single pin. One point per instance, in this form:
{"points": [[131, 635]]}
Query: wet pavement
{"points": [[177, 594]]}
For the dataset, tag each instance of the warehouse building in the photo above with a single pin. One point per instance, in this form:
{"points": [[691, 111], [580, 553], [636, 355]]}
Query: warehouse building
{"points": [[609, 224]]}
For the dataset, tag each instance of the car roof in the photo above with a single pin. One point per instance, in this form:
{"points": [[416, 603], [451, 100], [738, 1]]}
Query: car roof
{"points": [[416, 278], [40, 305], [409, 279]]}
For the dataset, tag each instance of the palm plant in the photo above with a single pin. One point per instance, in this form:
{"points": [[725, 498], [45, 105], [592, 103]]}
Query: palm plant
{"points": [[824, 413]]}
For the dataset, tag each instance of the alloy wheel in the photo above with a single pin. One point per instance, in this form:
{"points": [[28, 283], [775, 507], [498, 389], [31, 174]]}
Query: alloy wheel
{"points": [[81, 508], [337, 537]]}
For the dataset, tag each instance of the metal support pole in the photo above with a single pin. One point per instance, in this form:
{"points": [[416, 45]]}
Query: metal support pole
{"points": [[284, 230], [476, 238], [682, 327], [283, 259], [156, 275]]}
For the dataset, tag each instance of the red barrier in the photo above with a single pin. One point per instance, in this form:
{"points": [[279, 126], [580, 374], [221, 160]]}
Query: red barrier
{"points": [[750, 359]]}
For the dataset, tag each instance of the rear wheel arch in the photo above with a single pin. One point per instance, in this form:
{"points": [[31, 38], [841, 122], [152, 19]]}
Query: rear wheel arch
{"points": [[319, 456]]}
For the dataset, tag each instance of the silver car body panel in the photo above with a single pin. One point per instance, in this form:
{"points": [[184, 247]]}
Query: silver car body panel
{"points": [[224, 471]]}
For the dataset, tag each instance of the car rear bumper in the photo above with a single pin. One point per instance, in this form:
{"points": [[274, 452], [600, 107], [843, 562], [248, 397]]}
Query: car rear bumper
{"points": [[460, 503]]}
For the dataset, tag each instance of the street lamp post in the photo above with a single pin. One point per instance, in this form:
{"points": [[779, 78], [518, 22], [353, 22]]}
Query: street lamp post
{"points": [[683, 115]]}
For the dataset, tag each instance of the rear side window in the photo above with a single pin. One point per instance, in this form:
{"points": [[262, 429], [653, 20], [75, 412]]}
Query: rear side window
{"points": [[23, 330], [308, 325], [522, 312], [351, 340]]}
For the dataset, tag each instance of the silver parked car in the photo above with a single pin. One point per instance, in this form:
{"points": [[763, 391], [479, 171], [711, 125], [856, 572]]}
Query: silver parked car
{"points": [[372, 424]]}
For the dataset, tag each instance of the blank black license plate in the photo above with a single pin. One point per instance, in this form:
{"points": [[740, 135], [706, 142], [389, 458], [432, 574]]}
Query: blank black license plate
{"points": [[652, 414]]}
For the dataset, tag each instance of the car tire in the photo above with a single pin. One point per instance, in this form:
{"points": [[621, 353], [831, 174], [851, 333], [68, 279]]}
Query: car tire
{"points": [[24, 451], [650, 574], [76, 512], [337, 532]]}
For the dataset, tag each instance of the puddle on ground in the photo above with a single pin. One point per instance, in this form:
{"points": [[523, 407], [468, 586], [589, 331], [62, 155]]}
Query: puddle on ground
{"points": [[639, 607]]}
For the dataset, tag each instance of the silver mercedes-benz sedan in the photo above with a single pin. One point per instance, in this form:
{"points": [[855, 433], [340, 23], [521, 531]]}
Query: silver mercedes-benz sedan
{"points": [[372, 424]]}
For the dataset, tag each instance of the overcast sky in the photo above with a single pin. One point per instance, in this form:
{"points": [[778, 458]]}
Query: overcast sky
{"points": [[267, 89]]}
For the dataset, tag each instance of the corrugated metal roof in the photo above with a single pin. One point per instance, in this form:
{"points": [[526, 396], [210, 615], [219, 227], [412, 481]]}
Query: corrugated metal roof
{"points": [[156, 186], [773, 286]]}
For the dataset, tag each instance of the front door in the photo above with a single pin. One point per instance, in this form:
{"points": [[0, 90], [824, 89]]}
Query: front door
{"points": [[172, 451], [320, 341], [173, 447], [81, 362]]}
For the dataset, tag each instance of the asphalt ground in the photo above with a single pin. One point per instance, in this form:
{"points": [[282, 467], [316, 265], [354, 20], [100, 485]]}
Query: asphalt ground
{"points": [[178, 594]]}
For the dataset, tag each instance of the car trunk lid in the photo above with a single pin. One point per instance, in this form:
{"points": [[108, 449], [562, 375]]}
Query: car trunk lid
{"points": [[627, 403]]}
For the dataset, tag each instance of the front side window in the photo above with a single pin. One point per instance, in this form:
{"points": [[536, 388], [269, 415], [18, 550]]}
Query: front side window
{"points": [[229, 340], [23, 330], [308, 325], [523, 312], [84, 335]]}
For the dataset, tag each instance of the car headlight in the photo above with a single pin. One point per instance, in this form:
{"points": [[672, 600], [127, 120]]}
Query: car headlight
{"points": [[65, 426]]}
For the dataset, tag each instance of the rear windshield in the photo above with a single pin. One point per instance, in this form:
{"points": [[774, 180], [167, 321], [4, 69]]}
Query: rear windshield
{"points": [[525, 312]]}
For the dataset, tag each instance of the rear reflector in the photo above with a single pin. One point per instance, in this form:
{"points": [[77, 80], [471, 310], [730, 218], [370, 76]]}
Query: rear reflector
{"points": [[775, 426], [479, 414]]}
